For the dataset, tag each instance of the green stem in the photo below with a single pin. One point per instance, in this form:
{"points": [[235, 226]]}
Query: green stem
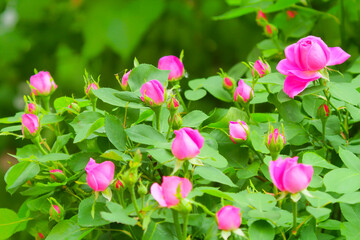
{"points": [[206, 210], [172, 117], [186, 168], [294, 229], [256, 152], [157, 111], [36, 141], [46, 100], [181, 99], [323, 122], [177, 224], [93, 102], [185, 225], [133, 199]]}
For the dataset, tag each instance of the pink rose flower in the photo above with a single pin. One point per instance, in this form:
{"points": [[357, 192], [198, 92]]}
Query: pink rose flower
{"points": [[42, 83], [228, 218], [238, 131], [290, 176], [165, 194], [173, 64], [99, 176], [261, 68], [187, 143], [303, 61], [29, 125], [153, 93], [92, 86], [243, 93]]}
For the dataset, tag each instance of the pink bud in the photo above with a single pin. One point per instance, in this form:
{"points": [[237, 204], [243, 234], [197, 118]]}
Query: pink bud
{"points": [[290, 14], [228, 218], [99, 176], [238, 131], [42, 83], [56, 212], [187, 143], [29, 125], [275, 135], [166, 194], [41, 236], [261, 15], [243, 93], [173, 64], [290, 176], [93, 86], [153, 93], [228, 84], [119, 184], [261, 68], [124, 80], [323, 111], [57, 175], [269, 30], [31, 108], [173, 104]]}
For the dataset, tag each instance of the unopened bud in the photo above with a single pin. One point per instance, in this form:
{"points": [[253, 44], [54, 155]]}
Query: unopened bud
{"points": [[56, 212], [57, 175]]}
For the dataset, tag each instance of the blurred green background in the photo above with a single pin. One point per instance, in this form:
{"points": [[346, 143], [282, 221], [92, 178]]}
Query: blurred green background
{"points": [[66, 36]]}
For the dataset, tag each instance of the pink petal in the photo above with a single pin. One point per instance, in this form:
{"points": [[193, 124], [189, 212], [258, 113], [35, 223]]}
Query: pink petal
{"points": [[156, 192], [297, 177], [293, 86], [337, 56], [169, 188], [186, 187], [276, 169], [305, 75], [183, 147], [284, 66], [195, 136]]}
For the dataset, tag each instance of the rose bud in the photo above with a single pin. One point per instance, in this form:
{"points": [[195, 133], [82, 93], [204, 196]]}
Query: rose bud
{"points": [[166, 194], [290, 14], [260, 68], [228, 83], [42, 84], [228, 218], [142, 189], [29, 125], [323, 111], [119, 184], [31, 108], [290, 176], [275, 143], [124, 81], [57, 175], [90, 87], [243, 93], [261, 18], [75, 108], [173, 64], [99, 176], [238, 131], [153, 93], [56, 212], [173, 104], [177, 121], [39, 236], [270, 30], [187, 143], [304, 60]]}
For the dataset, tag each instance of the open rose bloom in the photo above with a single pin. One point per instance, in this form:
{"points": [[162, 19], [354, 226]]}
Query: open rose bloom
{"points": [[99, 175], [42, 84], [304, 60], [187, 143]]}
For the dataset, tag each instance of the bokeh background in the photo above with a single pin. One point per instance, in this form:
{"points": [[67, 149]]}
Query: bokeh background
{"points": [[65, 37]]}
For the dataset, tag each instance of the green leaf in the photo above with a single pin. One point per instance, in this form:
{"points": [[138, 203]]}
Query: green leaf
{"points": [[67, 230], [295, 134], [280, 5], [115, 131], [144, 115], [233, 114], [234, 13], [351, 212], [160, 230], [144, 73], [54, 157], [20, 173], [346, 92], [162, 156], [117, 214], [350, 230], [209, 172], [215, 192], [116, 155], [51, 119], [194, 95], [128, 97], [272, 78], [214, 85], [210, 156], [261, 230], [289, 110], [85, 219], [261, 201], [249, 171], [330, 224], [86, 123], [145, 134], [60, 142], [320, 214], [342, 180], [28, 151], [312, 90], [9, 221], [349, 159], [194, 119], [13, 119], [350, 198], [316, 161]]}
